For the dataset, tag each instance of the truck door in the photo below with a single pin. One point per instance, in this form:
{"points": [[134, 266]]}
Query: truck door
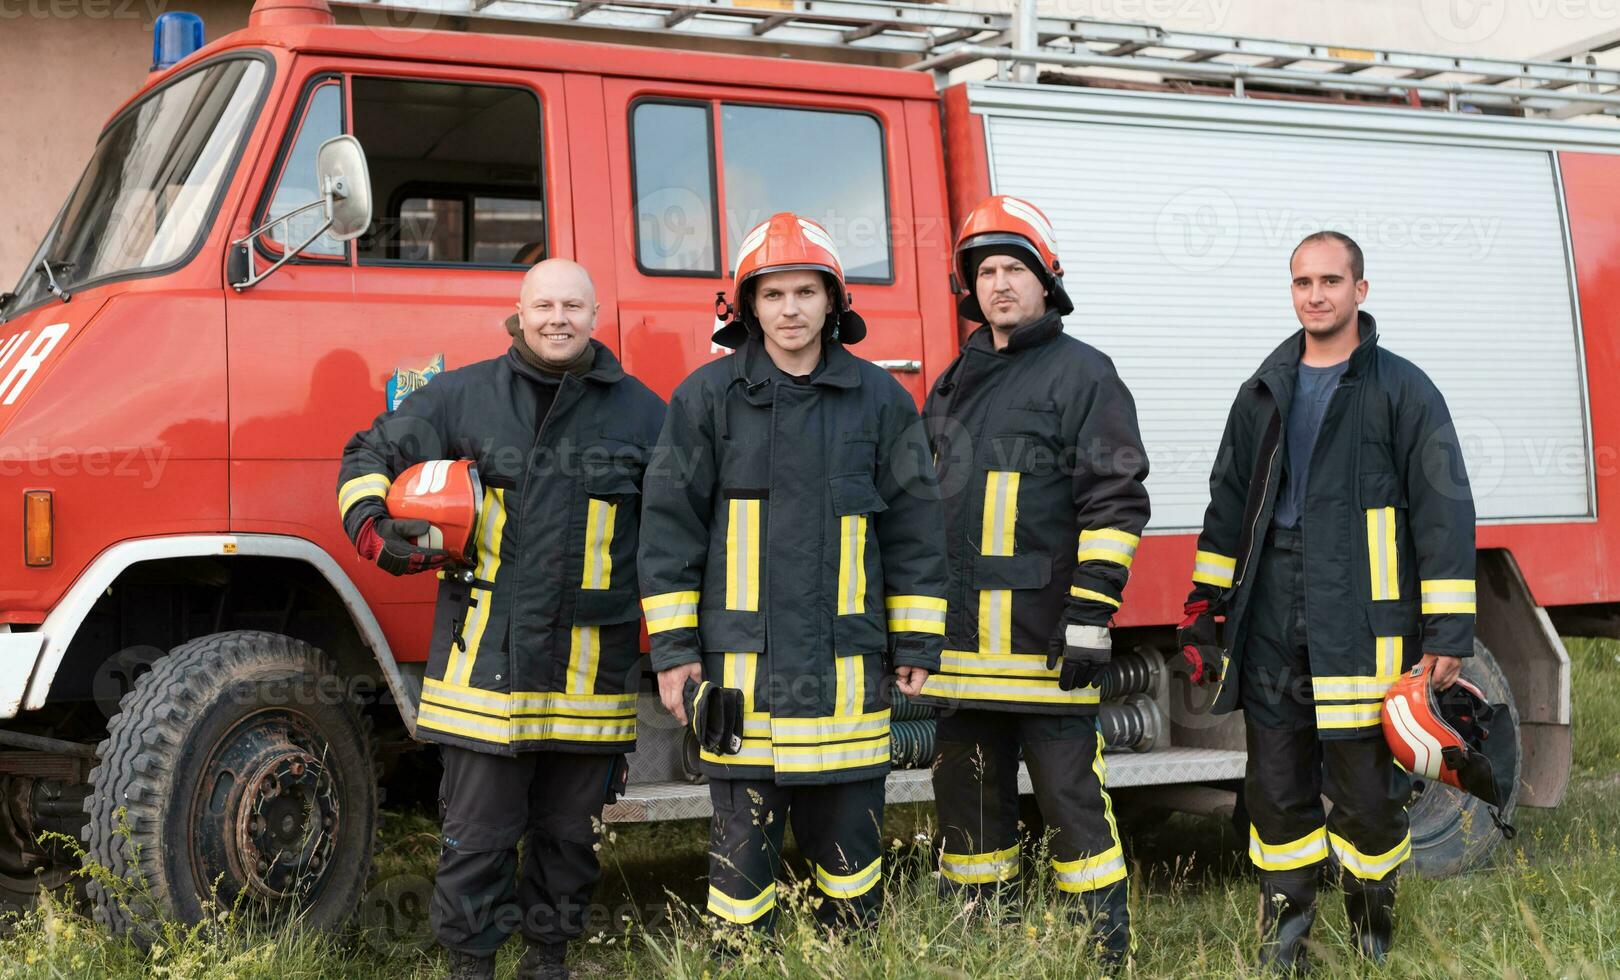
{"points": [[694, 167], [464, 164]]}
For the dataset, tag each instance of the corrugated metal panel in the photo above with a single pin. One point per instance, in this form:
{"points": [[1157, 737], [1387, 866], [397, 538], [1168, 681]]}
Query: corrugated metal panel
{"points": [[1176, 240]]}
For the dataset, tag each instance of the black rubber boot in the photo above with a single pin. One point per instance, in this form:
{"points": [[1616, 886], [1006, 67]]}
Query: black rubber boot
{"points": [[1108, 912], [1371, 908], [544, 961], [465, 966], [1287, 909]]}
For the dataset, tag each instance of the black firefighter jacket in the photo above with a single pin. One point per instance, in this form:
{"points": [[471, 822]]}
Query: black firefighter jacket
{"points": [[1387, 524], [1040, 466], [791, 544], [540, 651]]}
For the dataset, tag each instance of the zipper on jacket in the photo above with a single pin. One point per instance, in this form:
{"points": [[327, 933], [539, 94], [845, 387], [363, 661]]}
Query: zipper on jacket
{"points": [[1265, 488], [523, 496]]}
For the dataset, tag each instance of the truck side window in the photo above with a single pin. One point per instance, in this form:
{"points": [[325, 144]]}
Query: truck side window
{"points": [[827, 166], [455, 173], [323, 119], [672, 152]]}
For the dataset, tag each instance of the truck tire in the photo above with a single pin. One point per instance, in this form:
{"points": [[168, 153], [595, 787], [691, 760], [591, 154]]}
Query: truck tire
{"points": [[1452, 832], [236, 770]]}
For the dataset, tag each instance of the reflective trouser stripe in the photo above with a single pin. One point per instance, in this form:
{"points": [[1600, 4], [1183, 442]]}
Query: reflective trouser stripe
{"points": [[742, 910], [977, 869], [996, 537], [1372, 867], [492, 527], [1108, 544], [670, 611], [850, 885], [584, 653], [742, 555], [851, 564], [1214, 569], [1310, 849], [1090, 873], [915, 613], [599, 518], [355, 490], [1447, 595]]}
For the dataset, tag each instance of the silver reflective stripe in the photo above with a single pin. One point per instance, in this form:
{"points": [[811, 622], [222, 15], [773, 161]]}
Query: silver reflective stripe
{"points": [[851, 529], [1448, 597], [848, 886], [742, 910], [1108, 544], [597, 546], [1363, 866], [997, 597], [1380, 578], [1000, 864], [917, 613], [1313, 847], [743, 560], [1087, 875], [999, 527], [493, 727]]}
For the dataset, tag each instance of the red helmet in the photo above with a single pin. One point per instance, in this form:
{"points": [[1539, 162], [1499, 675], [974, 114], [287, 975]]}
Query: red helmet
{"points": [[447, 494], [996, 223], [782, 243], [1454, 736]]}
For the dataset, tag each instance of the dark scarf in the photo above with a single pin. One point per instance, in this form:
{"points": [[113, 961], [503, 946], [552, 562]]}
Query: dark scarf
{"points": [[579, 365]]}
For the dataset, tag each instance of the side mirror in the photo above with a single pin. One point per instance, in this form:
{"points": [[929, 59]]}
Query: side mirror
{"points": [[345, 183]]}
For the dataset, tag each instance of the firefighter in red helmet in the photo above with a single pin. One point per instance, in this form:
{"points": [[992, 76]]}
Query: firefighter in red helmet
{"points": [[796, 558], [532, 675], [1043, 467]]}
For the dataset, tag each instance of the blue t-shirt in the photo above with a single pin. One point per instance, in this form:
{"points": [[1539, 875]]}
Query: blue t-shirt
{"points": [[1312, 392]]}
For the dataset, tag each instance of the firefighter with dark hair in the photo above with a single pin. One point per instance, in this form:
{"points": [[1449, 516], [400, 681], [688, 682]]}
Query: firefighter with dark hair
{"points": [[533, 672], [792, 556], [1339, 549], [1042, 467]]}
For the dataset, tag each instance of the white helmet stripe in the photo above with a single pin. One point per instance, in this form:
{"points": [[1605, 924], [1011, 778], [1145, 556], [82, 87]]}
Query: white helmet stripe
{"points": [[752, 241], [819, 237], [1426, 753], [1026, 212]]}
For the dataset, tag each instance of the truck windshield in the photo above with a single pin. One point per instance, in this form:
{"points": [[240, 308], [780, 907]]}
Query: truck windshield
{"points": [[153, 181]]}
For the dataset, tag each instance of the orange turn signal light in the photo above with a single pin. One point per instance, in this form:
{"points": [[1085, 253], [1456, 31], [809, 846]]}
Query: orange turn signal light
{"points": [[38, 533]]}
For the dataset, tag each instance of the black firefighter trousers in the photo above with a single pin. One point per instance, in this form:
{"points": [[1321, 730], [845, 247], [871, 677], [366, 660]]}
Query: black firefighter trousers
{"points": [[1291, 765], [976, 795], [552, 802], [838, 826]]}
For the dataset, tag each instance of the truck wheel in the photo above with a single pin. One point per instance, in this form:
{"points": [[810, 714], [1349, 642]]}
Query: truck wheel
{"points": [[1452, 832], [236, 770]]}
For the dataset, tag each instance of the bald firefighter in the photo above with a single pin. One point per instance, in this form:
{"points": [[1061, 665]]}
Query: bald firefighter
{"points": [[1041, 465], [532, 675], [793, 558]]}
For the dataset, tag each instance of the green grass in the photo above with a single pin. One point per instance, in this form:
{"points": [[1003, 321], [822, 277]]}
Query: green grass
{"points": [[1548, 907]]}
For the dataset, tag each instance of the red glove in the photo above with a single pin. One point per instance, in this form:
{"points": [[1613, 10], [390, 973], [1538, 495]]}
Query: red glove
{"points": [[392, 545], [1199, 647]]}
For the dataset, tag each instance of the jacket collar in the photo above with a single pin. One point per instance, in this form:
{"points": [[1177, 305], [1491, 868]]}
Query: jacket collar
{"points": [[607, 369], [1285, 359], [1029, 335], [753, 367]]}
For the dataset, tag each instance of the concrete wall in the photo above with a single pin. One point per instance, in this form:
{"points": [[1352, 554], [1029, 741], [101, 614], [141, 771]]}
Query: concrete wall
{"points": [[66, 64]]}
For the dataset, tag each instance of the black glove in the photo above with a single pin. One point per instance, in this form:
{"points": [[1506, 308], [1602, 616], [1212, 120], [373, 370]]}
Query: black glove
{"points": [[1084, 650], [1196, 640], [715, 716], [400, 554]]}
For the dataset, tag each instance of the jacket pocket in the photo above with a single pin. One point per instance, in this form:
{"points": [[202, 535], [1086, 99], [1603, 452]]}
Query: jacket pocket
{"points": [[854, 500], [1383, 502], [604, 607], [1393, 617], [856, 635], [731, 630], [611, 512], [1032, 570], [1382, 488], [856, 454]]}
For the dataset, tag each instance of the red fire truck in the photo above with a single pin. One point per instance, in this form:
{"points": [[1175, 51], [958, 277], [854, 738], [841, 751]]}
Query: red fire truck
{"points": [[293, 227]]}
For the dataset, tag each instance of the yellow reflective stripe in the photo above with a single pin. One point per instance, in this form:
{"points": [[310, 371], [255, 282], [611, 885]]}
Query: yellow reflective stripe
{"points": [[355, 490], [1214, 569], [1353, 688], [996, 537], [1391, 650], [1093, 595], [830, 728], [1100, 767], [599, 518], [528, 702], [492, 526], [670, 611], [849, 697], [1025, 665], [1381, 559], [976, 869], [1012, 690], [1370, 867], [1447, 595], [584, 653], [1310, 849], [1108, 544], [465, 724], [829, 758], [850, 885], [915, 613], [1348, 715], [1090, 873], [740, 670], [742, 554], [851, 564], [742, 910]]}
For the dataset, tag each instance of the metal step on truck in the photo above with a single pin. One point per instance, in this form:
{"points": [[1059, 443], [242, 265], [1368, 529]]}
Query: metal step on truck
{"points": [[294, 226]]}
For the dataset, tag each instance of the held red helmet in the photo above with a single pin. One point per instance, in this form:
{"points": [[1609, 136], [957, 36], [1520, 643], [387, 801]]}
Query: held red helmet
{"points": [[995, 225], [784, 242], [447, 494], [1454, 736]]}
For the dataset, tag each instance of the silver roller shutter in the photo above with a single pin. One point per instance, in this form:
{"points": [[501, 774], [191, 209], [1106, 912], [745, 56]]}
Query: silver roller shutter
{"points": [[1175, 240]]}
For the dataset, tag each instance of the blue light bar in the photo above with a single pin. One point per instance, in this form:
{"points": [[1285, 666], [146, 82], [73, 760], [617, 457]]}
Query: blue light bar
{"points": [[175, 36]]}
